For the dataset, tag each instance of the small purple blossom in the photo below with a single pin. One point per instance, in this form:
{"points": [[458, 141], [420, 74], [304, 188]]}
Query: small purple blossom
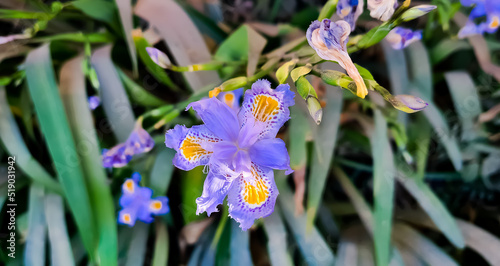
{"points": [[94, 102], [400, 37], [350, 10], [137, 204], [139, 141], [241, 150], [481, 8], [231, 98]]}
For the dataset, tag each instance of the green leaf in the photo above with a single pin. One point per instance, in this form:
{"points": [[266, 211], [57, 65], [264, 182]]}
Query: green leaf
{"points": [[304, 88], [55, 128], [204, 23], [300, 71], [312, 246], [138, 93], [183, 39], [19, 14], [433, 207], [383, 188], [277, 235], [447, 47], [162, 171], [299, 129], [325, 138], [73, 91], [160, 254], [100, 10], [138, 244], [239, 246], [114, 99], [421, 246], [375, 35], [284, 70], [126, 18], [60, 248], [34, 248], [13, 142], [420, 69], [191, 187]]}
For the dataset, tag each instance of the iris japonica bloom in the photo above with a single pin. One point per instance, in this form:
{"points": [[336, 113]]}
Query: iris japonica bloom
{"points": [[482, 8], [137, 204], [94, 102], [350, 10], [240, 149], [329, 39], [382, 9], [139, 141], [400, 37]]}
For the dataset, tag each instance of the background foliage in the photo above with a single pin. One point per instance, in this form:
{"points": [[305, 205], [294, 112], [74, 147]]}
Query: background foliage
{"points": [[372, 185]]}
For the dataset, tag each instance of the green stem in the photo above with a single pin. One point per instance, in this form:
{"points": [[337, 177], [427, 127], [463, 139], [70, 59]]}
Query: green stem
{"points": [[328, 9]]}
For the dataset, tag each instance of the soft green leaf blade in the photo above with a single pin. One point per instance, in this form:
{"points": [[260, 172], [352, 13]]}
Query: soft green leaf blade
{"points": [[100, 10], [34, 248], [325, 138], [205, 24], [447, 47], [432, 206], [182, 38], [299, 129], [422, 247], [383, 188], [420, 69], [481, 241], [138, 244], [13, 142], [73, 92], [466, 100], [55, 128], [162, 171], [311, 245], [239, 245], [138, 93], [114, 99], [277, 235], [127, 22], [160, 255], [60, 248], [191, 186]]}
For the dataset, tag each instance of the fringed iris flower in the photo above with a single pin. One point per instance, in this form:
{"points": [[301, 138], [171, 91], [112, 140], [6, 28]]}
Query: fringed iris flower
{"points": [[350, 10], [382, 9], [139, 141], [400, 37], [137, 204], [329, 39], [241, 151], [482, 8]]}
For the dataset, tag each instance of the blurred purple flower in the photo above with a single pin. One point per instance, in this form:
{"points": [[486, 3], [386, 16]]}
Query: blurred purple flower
{"points": [[481, 8], [400, 37], [94, 102], [350, 10], [241, 150], [137, 204], [231, 98], [329, 39], [139, 141]]}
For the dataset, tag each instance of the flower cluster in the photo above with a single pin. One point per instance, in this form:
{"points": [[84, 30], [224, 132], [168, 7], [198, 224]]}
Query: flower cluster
{"points": [[400, 37], [481, 9], [139, 141], [329, 39], [240, 149], [137, 204]]}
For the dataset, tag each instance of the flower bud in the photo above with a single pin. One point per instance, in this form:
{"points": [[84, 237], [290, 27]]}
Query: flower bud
{"points": [[315, 109], [416, 12], [158, 57], [408, 103], [233, 84]]}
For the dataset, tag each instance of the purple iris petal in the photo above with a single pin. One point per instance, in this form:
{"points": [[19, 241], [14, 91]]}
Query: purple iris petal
{"points": [[231, 98], [116, 156], [215, 190], [481, 8], [94, 102], [139, 141], [218, 117], [400, 37], [271, 153], [137, 204], [349, 11]]}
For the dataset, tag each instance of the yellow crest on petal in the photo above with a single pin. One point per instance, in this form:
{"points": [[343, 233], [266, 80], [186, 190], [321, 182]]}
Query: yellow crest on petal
{"points": [[265, 107]]}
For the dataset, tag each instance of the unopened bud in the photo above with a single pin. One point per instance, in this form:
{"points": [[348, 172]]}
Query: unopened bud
{"points": [[416, 12], [408, 103], [315, 109], [158, 57], [233, 84]]}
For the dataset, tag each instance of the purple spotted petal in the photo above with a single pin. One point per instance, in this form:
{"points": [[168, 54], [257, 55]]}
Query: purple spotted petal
{"points": [[218, 118], [271, 153], [139, 141], [400, 37], [116, 156], [215, 190], [252, 197]]}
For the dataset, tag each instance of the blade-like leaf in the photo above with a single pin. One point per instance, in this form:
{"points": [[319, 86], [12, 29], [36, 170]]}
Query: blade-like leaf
{"points": [[383, 188], [325, 138], [239, 246], [126, 18], [138, 93], [73, 92], [160, 255], [34, 249], [256, 44], [55, 128], [299, 129], [138, 244], [481, 241], [114, 99], [12, 140], [60, 248], [182, 37], [162, 171], [276, 233]]}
